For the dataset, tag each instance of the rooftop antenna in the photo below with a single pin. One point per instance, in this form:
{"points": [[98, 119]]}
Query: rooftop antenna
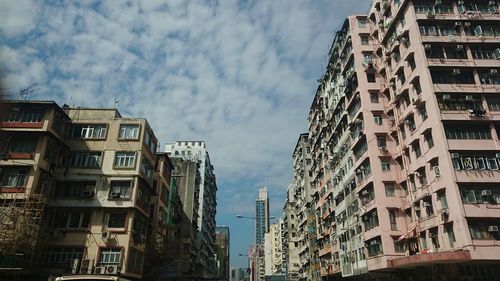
{"points": [[27, 91], [116, 101]]}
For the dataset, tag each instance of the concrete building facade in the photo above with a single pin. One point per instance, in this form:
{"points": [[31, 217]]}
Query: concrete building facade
{"points": [[404, 144], [84, 191], [290, 236], [205, 242], [222, 241]]}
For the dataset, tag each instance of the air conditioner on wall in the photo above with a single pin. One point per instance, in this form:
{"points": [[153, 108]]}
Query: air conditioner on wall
{"points": [[493, 228], [486, 192]]}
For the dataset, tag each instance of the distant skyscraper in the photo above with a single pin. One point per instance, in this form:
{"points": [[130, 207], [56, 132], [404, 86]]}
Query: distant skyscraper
{"points": [[262, 216]]}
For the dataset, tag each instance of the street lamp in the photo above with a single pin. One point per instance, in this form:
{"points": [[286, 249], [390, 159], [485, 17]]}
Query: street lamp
{"points": [[252, 218]]}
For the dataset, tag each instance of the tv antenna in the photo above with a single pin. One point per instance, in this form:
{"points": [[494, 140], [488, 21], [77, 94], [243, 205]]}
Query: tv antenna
{"points": [[27, 91], [116, 101]]}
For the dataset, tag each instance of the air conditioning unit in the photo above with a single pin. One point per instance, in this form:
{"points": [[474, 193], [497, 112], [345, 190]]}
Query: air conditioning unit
{"points": [[458, 23], [437, 171], [427, 46], [469, 98], [87, 194], [493, 71], [460, 2], [456, 71], [431, 14], [418, 175], [84, 266], [100, 270], [493, 228], [467, 24], [445, 215], [460, 47], [446, 97], [497, 155], [497, 53], [114, 194], [486, 192], [426, 204], [111, 269]]}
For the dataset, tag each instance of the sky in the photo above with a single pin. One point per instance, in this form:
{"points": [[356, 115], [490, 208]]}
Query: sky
{"points": [[239, 75]]}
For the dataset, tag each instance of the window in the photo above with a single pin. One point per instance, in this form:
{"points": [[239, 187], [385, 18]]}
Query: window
{"points": [[125, 159], [115, 220], [377, 118], [392, 220], [386, 165], [390, 190], [362, 23], [72, 219], [89, 131], [90, 159], [146, 168], [489, 77], [135, 260], [23, 116], [75, 189], [370, 77], [381, 141], [458, 76], [428, 138], [433, 233], [480, 195], [150, 142], [371, 220], [416, 149], [129, 131], [22, 146], [374, 98], [481, 230], [120, 189], [14, 177], [423, 112], [62, 255], [451, 234], [411, 63], [364, 40], [468, 132], [110, 256], [374, 247], [441, 195]]}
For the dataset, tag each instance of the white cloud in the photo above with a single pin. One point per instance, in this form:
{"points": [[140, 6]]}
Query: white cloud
{"points": [[19, 17], [239, 75]]}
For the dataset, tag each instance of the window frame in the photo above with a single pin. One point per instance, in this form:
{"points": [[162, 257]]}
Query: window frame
{"points": [[136, 132]]}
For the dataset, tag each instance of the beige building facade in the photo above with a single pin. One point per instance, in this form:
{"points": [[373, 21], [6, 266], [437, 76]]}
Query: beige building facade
{"points": [[84, 192]]}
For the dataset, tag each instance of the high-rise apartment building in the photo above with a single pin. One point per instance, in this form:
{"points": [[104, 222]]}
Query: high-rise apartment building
{"points": [[261, 216], [261, 227], [291, 237], [301, 196], [273, 249], [403, 137], [197, 151]]}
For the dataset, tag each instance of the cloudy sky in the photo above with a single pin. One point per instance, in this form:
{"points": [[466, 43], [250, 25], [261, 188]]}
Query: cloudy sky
{"points": [[238, 74]]}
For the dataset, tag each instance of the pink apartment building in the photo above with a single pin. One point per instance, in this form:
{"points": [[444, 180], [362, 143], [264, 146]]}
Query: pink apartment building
{"points": [[404, 144]]}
